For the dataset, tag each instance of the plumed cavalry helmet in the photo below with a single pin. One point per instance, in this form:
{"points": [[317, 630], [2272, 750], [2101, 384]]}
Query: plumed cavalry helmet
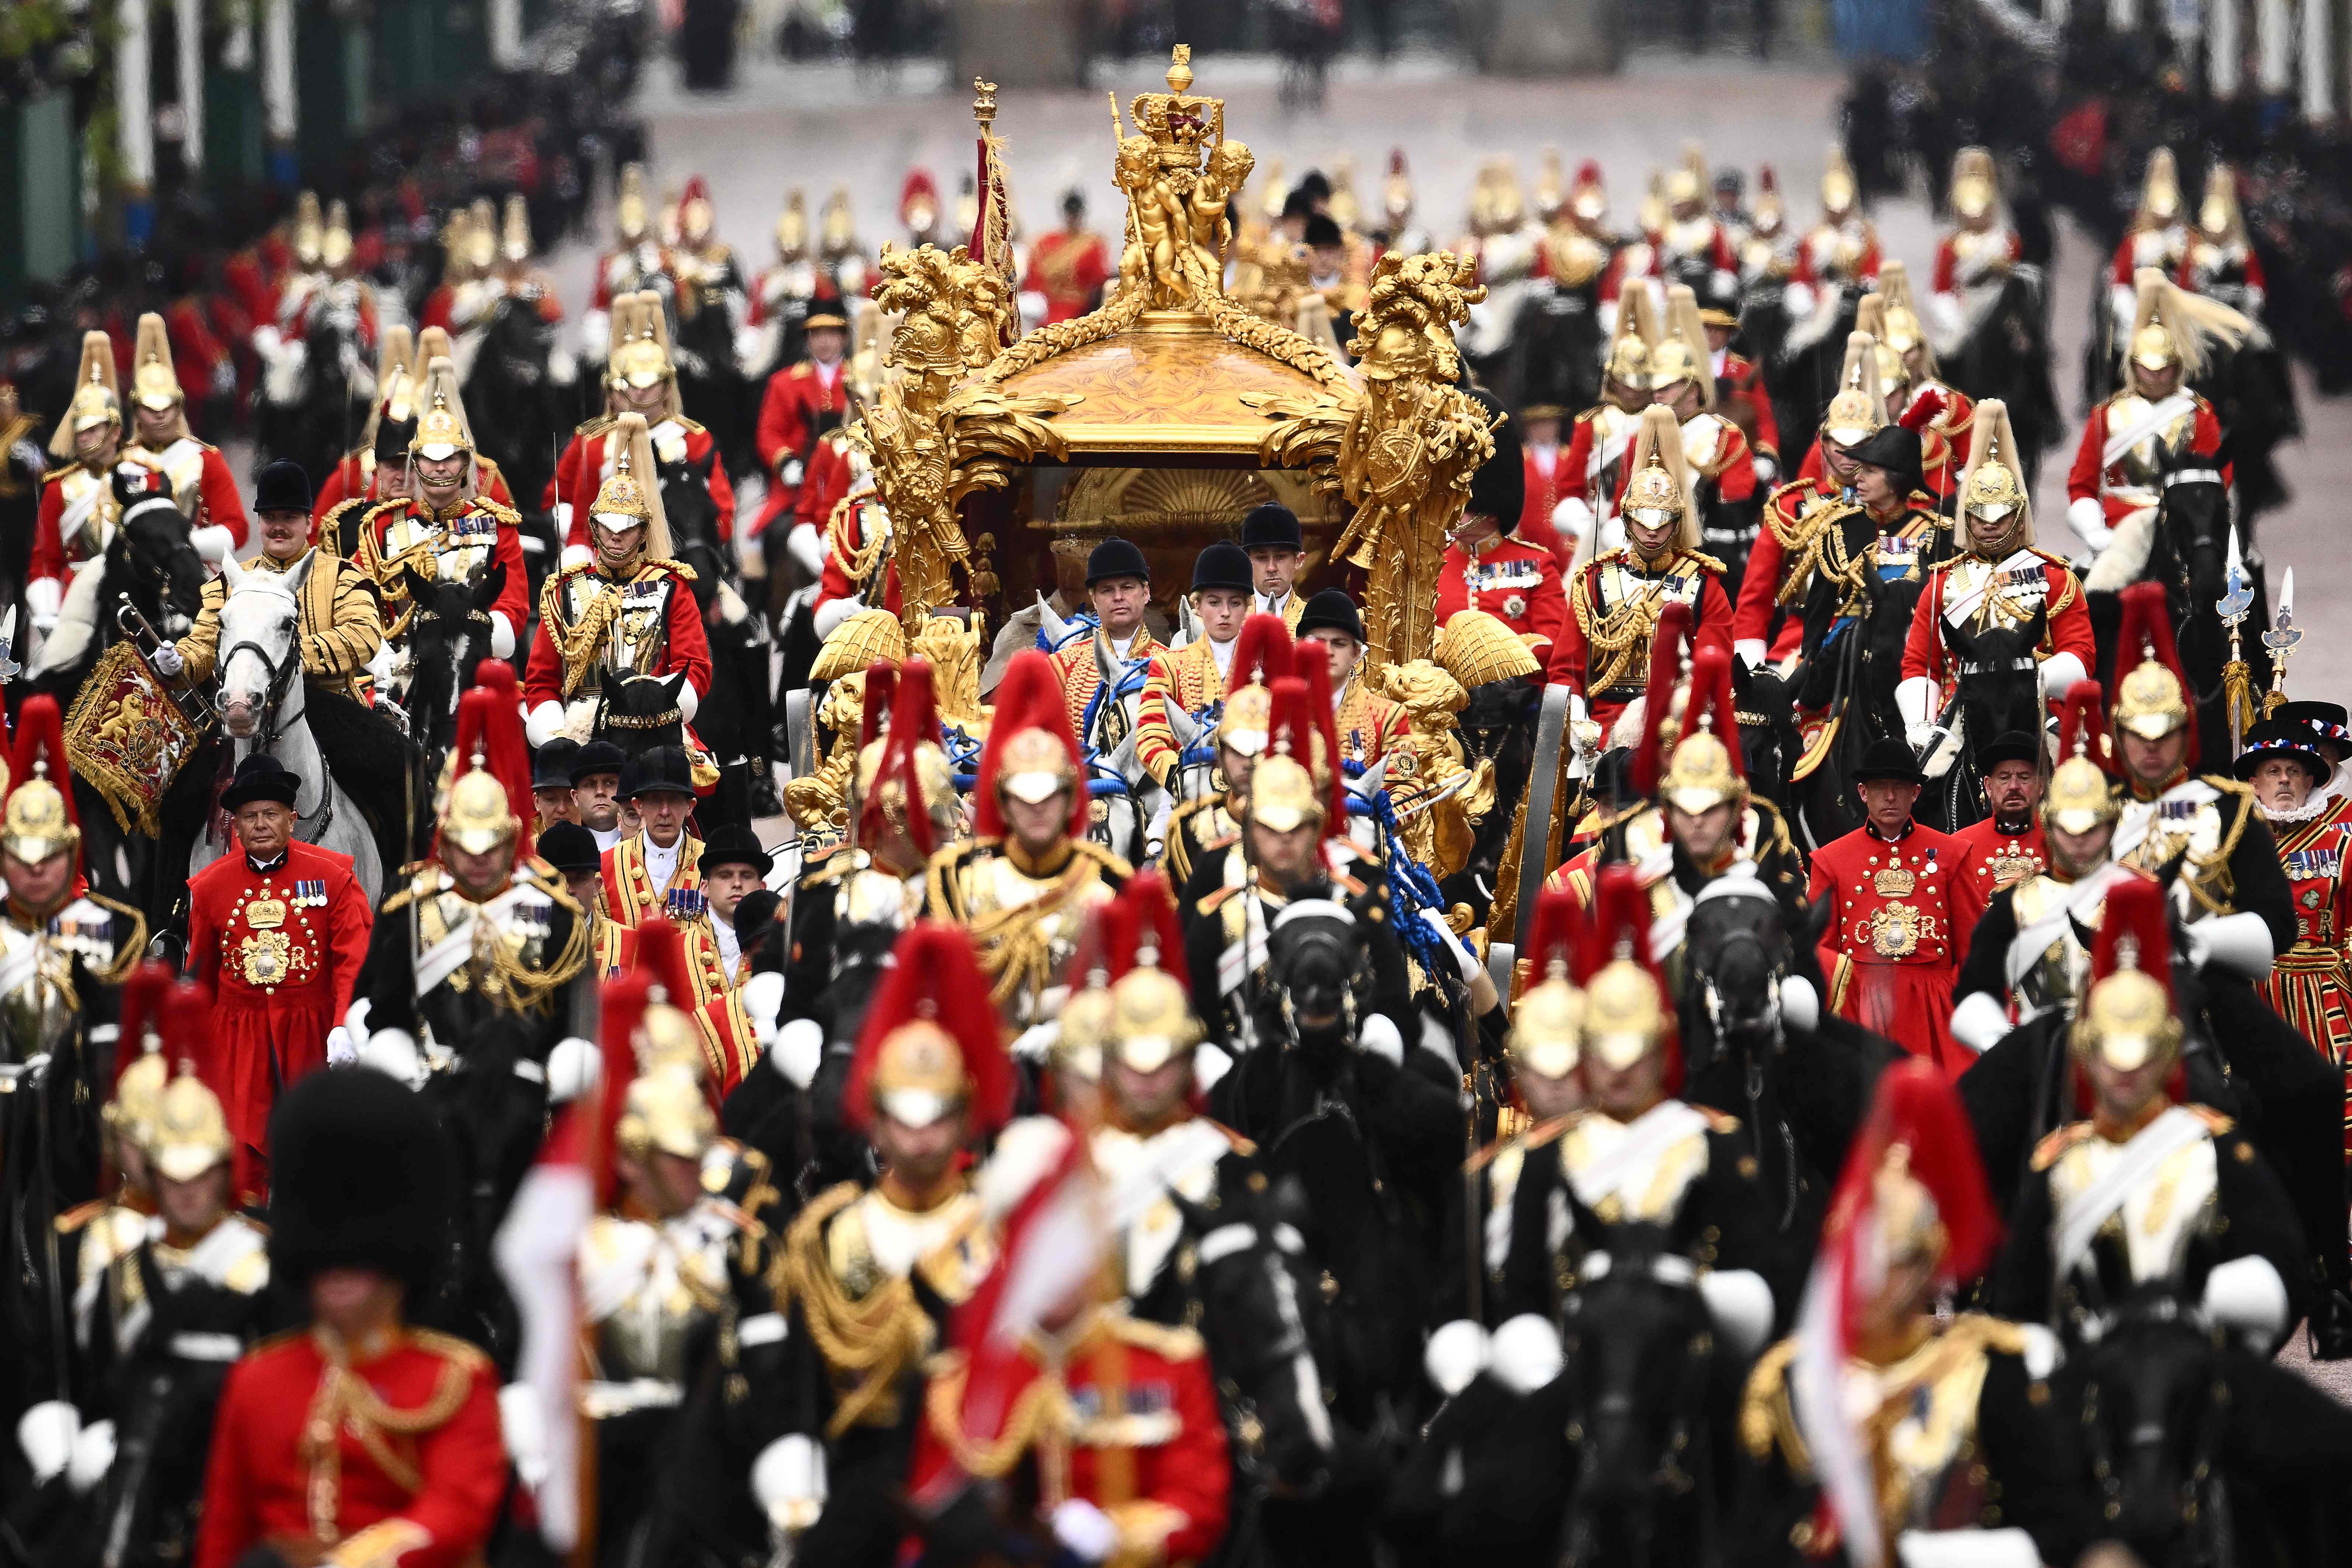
{"points": [[1859, 406], [96, 399], [1150, 1020], [1629, 350], [310, 230], [188, 1135], [153, 383], [2159, 192], [1660, 488], [2151, 698], [1912, 1189], [1704, 769], [1838, 187], [1031, 752], [629, 214], [791, 226], [2079, 797], [490, 797], [38, 821], [442, 428], [1261, 652], [929, 1044], [1282, 794], [2127, 1019], [140, 1068], [1975, 186], [2219, 218], [1994, 487], [1548, 1023], [664, 1110], [906, 786], [2171, 326], [1681, 354], [1627, 1013], [1900, 314], [630, 496]]}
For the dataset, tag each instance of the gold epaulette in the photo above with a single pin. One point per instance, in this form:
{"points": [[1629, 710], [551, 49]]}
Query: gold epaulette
{"points": [[135, 944], [688, 425], [378, 508], [54, 475], [1764, 1412], [2215, 1123], [1214, 899], [81, 1214], [594, 427], [1774, 499], [1166, 1342], [1709, 562], [1586, 417], [1103, 857], [448, 1347], [2047, 1151], [505, 515], [677, 569]]}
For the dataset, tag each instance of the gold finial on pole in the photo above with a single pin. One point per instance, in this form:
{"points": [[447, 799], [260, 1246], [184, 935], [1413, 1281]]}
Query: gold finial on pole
{"points": [[983, 105], [1179, 69]]}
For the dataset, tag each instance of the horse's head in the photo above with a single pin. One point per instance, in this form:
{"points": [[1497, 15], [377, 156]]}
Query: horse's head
{"points": [[161, 566], [641, 711], [1249, 1279], [1639, 1346], [448, 635], [259, 662], [1499, 714], [2153, 1409], [2000, 682], [2193, 517], [1738, 952], [1315, 962]]}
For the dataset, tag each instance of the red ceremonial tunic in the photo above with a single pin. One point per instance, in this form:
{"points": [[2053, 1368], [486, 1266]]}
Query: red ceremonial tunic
{"points": [[1820, 258], [415, 1472], [1516, 583], [2028, 580], [1068, 269], [1081, 678], [1739, 380], [1056, 1440], [2125, 485], [1904, 911], [1994, 859], [217, 504], [571, 591], [280, 950], [1947, 279], [829, 478], [834, 584], [469, 518], [1605, 593], [580, 473], [2310, 984], [347, 479], [797, 398], [1596, 446], [1760, 590], [2164, 248]]}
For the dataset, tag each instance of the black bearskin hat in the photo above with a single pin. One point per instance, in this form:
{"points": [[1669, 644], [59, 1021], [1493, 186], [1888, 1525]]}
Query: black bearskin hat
{"points": [[358, 1177]]}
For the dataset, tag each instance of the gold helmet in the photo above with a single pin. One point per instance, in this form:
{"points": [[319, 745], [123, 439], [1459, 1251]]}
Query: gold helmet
{"points": [[2127, 1019], [2081, 794], [1838, 188], [791, 227], [1496, 205], [38, 821], [629, 216], [1974, 187], [516, 246], [457, 245], [641, 356], [869, 637], [1903, 331], [1651, 214], [138, 1094], [1345, 210], [1547, 1026], [1475, 647], [931, 1042], [96, 400], [189, 1134], [1628, 351], [2218, 218], [1150, 1018], [1682, 355], [1396, 194], [1860, 406], [837, 230], [667, 1034], [666, 1112], [2150, 695], [1086, 1023], [481, 235], [1660, 488], [2170, 325], [441, 429], [1627, 1013], [630, 496], [335, 245], [153, 384], [2160, 193], [490, 792], [1994, 487], [141, 1068], [478, 818], [1247, 721], [1703, 771], [1551, 185], [1688, 182], [309, 231]]}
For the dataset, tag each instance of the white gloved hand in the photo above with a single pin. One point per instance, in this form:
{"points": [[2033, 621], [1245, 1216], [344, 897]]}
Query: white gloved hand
{"points": [[807, 547], [1378, 1036], [798, 1051], [46, 1432], [574, 1065], [502, 635], [167, 660], [93, 1456], [43, 596], [522, 1422], [214, 543], [789, 473], [341, 1050], [546, 722], [2089, 518], [1209, 1063], [1036, 1043], [1766, 469], [1465, 963], [1919, 737], [395, 1052], [1091, 1535], [1751, 652], [832, 613], [2060, 671], [789, 1480]]}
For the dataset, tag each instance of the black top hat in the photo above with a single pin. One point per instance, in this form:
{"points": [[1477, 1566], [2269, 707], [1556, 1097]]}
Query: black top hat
{"points": [[2015, 746], [392, 439], [1273, 526], [2328, 719], [1889, 759], [569, 848], [1322, 230], [1893, 449], [1223, 564], [663, 769], [281, 486], [551, 766], [2275, 737], [1116, 558], [598, 757], [358, 1179], [1499, 489], [1331, 610], [751, 916], [734, 844], [260, 777]]}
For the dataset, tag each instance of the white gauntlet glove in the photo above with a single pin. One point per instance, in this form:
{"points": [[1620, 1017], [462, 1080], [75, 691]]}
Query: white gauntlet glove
{"points": [[167, 660]]}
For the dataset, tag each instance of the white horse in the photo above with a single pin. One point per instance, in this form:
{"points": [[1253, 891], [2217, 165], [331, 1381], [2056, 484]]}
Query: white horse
{"points": [[261, 700]]}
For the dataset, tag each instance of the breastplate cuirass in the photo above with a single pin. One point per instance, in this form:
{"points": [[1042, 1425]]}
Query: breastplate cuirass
{"points": [[637, 636], [2053, 978], [515, 937], [462, 550], [96, 529], [37, 1009], [2138, 463]]}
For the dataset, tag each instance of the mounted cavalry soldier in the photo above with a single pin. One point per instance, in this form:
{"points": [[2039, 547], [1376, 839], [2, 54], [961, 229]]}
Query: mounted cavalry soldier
{"points": [[2158, 238], [360, 477], [1591, 472], [1914, 398], [1722, 467], [79, 513], [2221, 262], [1770, 625], [1885, 1431], [1840, 251], [2001, 582], [1981, 252], [2238, 909], [803, 400], [1207, 822], [1026, 884], [628, 615], [2114, 489], [200, 478], [447, 529], [636, 261], [1615, 598], [870, 1274], [640, 378], [479, 929]]}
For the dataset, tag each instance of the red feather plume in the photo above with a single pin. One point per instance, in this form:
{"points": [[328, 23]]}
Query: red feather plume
{"points": [[934, 974], [1311, 663], [1151, 921], [881, 694], [2082, 726], [1029, 698], [914, 718], [1666, 668], [1261, 651], [1556, 935], [1915, 1107]]}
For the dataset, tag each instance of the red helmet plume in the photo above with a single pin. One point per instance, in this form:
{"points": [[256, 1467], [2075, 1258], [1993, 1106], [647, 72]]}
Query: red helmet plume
{"points": [[918, 189], [661, 958], [1916, 1110], [1556, 935], [1311, 663], [1150, 922], [1029, 698], [2135, 932], [40, 751], [914, 720], [935, 977], [1589, 171], [1712, 701], [1674, 633], [881, 693], [2082, 726], [2146, 635], [187, 1026], [620, 1010], [142, 1009], [1261, 651]]}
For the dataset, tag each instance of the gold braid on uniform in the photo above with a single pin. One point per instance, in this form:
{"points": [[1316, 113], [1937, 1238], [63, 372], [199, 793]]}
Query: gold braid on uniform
{"points": [[577, 643], [874, 1340], [857, 560], [345, 1402], [1801, 542], [1042, 1410], [1630, 627]]}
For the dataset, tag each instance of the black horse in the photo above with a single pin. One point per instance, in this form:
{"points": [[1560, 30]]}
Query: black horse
{"points": [[1798, 1077], [310, 413], [1769, 741], [449, 637], [513, 375], [1998, 693], [736, 717], [2005, 352], [1810, 356]]}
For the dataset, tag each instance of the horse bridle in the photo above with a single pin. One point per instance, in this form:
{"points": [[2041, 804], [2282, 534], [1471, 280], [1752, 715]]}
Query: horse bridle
{"points": [[2098, 1442], [273, 723], [1682, 1437]]}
